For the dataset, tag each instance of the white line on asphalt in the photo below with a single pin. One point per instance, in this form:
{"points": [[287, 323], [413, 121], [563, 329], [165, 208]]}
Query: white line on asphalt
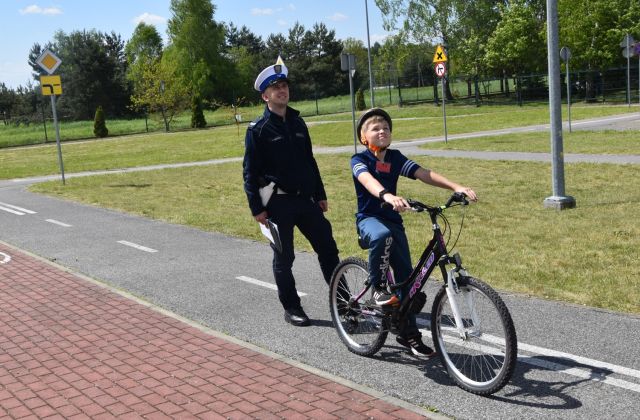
{"points": [[20, 209], [263, 284], [19, 213], [55, 222], [136, 246], [4, 258], [604, 368]]}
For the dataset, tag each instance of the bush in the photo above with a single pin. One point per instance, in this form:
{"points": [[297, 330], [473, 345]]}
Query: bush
{"points": [[197, 116], [99, 124], [360, 104]]}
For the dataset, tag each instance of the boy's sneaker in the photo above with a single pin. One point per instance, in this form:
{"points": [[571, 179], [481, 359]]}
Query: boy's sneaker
{"points": [[381, 296], [415, 344]]}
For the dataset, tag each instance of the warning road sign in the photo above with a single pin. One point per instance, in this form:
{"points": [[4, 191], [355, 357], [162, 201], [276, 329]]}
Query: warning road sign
{"points": [[439, 56]]}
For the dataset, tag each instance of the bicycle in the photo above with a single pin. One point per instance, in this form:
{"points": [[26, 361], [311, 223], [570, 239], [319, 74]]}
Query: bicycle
{"points": [[472, 330]]}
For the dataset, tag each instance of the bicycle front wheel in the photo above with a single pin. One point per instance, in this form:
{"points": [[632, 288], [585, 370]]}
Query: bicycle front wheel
{"points": [[360, 325], [481, 356]]}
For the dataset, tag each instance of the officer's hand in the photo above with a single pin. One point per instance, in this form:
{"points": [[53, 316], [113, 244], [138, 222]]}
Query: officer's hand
{"points": [[262, 217], [324, 205]]}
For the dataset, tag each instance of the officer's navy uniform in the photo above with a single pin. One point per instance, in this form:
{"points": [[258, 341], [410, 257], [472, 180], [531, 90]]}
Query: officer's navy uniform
{"points": [[279, 150]]}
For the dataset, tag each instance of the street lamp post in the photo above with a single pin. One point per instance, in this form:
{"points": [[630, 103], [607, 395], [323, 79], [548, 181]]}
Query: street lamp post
{"points": [[366, 8]]}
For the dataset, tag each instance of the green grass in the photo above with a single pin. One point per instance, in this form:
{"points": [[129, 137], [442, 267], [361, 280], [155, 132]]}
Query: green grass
{"points": [[228, 141], [588, 142], [333, 108], [587, 255]]}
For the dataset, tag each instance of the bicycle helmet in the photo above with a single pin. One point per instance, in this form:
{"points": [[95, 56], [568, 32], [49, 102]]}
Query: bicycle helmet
{"points": [[368, 114]]}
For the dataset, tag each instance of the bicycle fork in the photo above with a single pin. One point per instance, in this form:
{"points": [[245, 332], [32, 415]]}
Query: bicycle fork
{"points": [[453, 290]]}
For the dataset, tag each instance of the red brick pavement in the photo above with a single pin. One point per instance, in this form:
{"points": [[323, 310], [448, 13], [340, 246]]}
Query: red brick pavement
{"points": [[72, 349]]}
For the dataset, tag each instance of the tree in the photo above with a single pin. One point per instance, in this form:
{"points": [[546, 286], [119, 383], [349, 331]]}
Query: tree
{"points": [[518, 43], [161, 89], [142, 51], [197, 41], [93, 73], [99, 124], [197, 116]]}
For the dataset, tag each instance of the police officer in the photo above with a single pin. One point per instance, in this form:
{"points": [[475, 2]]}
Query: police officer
{"points": [[278, 156]]}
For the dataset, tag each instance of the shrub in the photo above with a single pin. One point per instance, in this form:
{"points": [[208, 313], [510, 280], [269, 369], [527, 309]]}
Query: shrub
{"points": [[360, 104], [197, 116], [99, 124]]}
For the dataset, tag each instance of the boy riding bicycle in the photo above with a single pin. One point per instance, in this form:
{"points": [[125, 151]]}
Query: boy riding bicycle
{"points": [[375, 176]]}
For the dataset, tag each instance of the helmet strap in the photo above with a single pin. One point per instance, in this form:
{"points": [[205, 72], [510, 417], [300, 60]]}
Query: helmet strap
{"points": [[375, 149]]}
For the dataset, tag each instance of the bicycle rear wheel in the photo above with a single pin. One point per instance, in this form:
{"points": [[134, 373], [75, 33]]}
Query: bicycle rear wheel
{"points": [[360, 325], [483, 360]]}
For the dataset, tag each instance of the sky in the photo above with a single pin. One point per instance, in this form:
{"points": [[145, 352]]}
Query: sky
{"points": [[26, 22]]}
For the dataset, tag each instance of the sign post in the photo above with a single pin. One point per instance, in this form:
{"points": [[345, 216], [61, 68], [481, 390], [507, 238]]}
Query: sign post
{"points": [[565, 54], [440, 68], [348, 64], [627, 52], [51, 86]]}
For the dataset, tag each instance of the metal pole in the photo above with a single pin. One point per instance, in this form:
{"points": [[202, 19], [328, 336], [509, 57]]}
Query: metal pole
{"points": [[353, 113], [444, 109], [55, 123], [366, 8], [558, 200], [568, 95], [628, 38]]}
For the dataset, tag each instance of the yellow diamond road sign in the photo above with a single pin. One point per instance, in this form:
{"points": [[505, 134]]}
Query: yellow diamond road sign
{"points": [[51, 85], [48, 61], [439, 56]]}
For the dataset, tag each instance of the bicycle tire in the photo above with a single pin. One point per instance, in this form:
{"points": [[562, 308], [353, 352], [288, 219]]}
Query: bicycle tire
{"points": [[360, 326], [483, 361]]}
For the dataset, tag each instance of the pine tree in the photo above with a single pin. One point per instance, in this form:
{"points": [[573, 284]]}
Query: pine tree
{"points": [[99, 124], [360, 104], [197, 116]]}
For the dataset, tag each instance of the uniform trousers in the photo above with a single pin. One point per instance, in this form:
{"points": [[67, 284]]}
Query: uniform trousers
{"points": [[290, 211]]}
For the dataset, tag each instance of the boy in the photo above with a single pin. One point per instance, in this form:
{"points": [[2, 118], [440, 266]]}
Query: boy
{"points": [[375, 176]]}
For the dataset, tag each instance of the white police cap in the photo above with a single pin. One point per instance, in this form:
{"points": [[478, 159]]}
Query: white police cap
{"points": [[271, 75]]}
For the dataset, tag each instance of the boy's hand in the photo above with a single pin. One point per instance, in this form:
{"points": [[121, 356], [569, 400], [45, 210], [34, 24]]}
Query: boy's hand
{"points": [[471, 195], [399, 203]]}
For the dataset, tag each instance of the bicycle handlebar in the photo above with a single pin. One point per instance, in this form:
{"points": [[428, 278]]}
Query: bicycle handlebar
{"points": [[456, 197]]}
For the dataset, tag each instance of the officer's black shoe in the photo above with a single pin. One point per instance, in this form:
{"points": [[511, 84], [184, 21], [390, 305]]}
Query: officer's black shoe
{"points": [[297, 317]]}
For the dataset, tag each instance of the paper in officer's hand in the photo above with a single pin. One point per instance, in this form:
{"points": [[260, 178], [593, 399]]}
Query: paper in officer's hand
{"points": [[271, 233]]}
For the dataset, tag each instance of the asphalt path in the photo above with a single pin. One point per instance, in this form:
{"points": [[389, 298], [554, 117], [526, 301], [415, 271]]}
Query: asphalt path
{"points": [[574, 362]]}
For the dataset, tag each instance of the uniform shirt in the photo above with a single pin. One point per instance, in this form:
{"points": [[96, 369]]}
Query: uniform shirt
{"points": [[279, 150], [387, 173]]}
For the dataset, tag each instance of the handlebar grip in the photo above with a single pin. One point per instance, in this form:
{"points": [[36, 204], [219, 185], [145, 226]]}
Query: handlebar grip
{"points": [[457, 197]]}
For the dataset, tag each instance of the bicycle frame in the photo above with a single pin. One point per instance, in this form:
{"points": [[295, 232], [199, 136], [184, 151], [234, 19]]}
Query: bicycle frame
{"points": [[435, 254]]}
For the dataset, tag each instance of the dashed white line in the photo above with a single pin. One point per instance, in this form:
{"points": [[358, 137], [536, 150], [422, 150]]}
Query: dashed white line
{"points": [[15, 209], [56, 222], [263, 284], [19, 213], [136, 246]]}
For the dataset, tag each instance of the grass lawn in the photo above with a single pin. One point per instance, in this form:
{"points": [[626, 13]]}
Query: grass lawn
{"points": [[587, 255]]}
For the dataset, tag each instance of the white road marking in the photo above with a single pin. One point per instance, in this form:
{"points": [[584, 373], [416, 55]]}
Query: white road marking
{"points": [[4, 258], [19, 209], [263, 284], [602, 375], [56, 222], [136, 246]]}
